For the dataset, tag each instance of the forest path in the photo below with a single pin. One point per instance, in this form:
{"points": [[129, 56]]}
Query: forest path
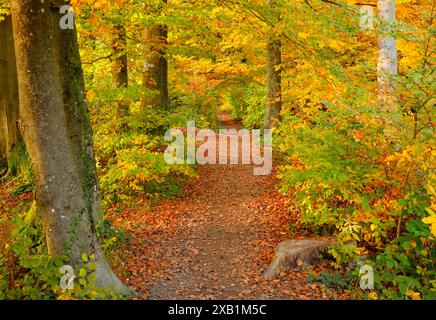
{"points": [[215, 242]]}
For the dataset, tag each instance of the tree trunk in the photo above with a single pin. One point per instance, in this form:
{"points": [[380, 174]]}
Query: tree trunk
{"points": [[274, 80], [80, 135], [155, 74], [61, 198], [119, 66], [9, 133], [387, 65]]}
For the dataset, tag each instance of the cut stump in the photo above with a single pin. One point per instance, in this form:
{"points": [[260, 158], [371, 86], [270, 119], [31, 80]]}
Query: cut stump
{"points": [[295, 253]]}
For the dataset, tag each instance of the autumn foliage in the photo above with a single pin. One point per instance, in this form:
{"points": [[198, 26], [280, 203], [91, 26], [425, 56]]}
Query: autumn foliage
{"points": [[346, 166]]}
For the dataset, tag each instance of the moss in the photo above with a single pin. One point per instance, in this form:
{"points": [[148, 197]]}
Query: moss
{"points": [[73, 240], [19, 162]]}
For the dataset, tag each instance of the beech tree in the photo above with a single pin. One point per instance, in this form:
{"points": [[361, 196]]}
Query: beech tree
{"points": [[274, 78], [155, 72], [119, 66], [58, 136], [9, 133], [387, 65]]}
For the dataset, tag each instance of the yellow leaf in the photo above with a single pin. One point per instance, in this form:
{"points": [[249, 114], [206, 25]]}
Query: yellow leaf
{"points": [[432, 221], [90, 94], [303, 35], [414, 295], [372, 295]]}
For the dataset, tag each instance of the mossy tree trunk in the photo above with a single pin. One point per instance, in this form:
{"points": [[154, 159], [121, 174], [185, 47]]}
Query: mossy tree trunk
{"points": [[9, 134], [58, 136], [70, 73]]}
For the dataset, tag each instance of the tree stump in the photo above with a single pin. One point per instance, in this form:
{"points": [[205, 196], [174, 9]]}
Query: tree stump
{"points": [[295, 253]]}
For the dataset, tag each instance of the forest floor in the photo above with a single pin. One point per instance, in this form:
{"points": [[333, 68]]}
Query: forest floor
{"points": [[215, 241], [212, 243]]}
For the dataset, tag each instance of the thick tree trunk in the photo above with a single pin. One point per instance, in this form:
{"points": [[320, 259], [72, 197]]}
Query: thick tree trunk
{"points": [[387, 64], [4, 91], [3, 140], [274, 80], [60, 194], [119, 66], [70, 73], [155, 74], [9, 133]]}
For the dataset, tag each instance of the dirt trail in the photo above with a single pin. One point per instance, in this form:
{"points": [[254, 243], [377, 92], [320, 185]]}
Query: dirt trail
{"points": [[215, 242]]}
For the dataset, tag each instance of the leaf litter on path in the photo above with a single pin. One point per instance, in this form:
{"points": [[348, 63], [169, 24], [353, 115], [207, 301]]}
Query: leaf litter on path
{"points": [[215, 242]]}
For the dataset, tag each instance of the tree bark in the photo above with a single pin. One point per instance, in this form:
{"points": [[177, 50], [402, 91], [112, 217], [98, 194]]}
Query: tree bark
{"points": [[274, 79], [9, 133], [387, 65], [65, 209], [80, 135], [119, 66], [155, 74]]}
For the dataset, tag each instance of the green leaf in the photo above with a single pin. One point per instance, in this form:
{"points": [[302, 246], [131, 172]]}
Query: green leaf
{"points": [[92, 278], [82, 273], [365, 203]]}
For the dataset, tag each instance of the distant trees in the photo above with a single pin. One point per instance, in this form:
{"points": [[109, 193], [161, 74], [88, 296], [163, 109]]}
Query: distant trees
{"points": [[155, 69], [119, 65], [387, 64], [274, 78], [58, 136], [9, 134]]}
